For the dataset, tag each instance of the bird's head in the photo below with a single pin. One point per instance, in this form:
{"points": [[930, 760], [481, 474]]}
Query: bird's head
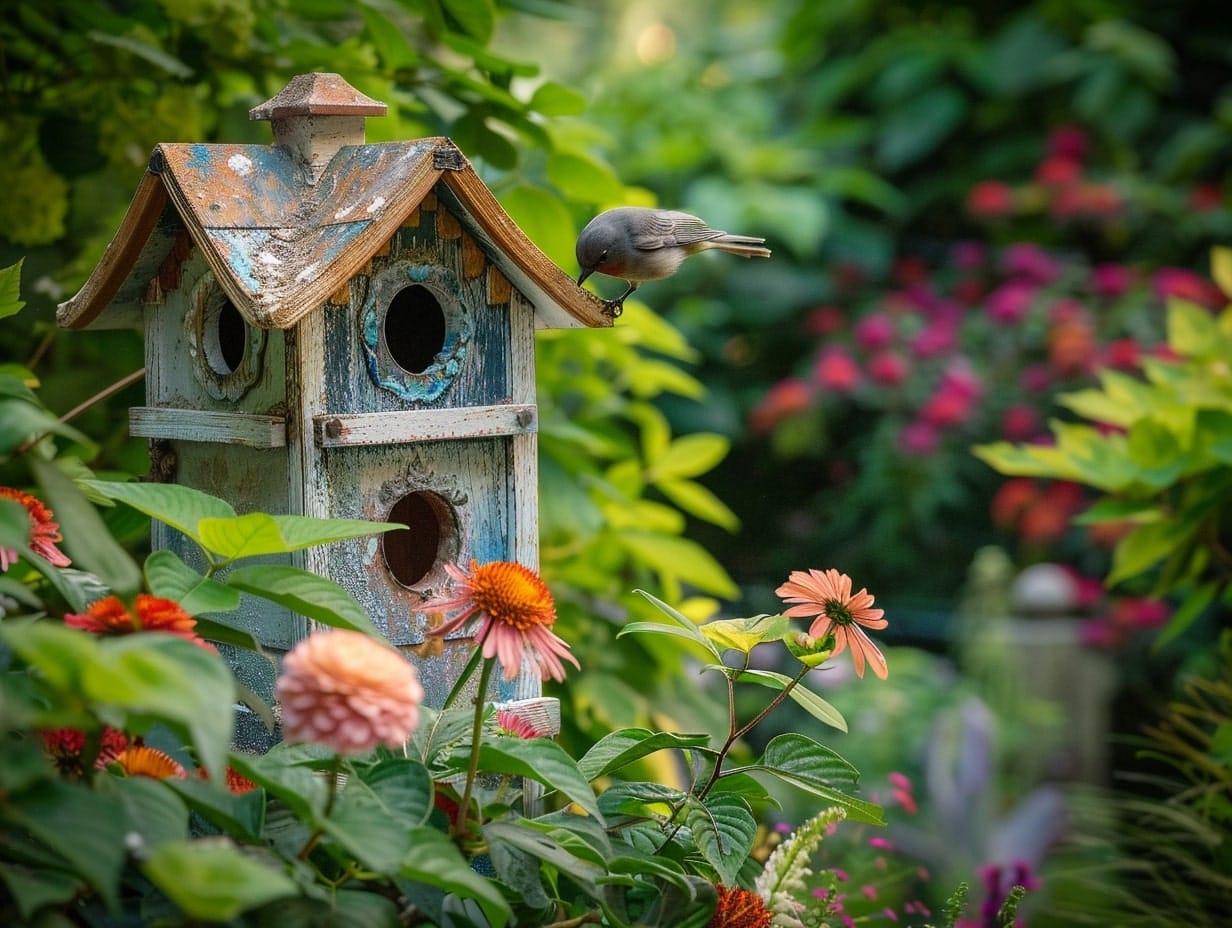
{"points": [[595, 249]]}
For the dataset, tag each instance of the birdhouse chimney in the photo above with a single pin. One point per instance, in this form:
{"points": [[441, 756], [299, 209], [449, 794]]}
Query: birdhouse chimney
{"points": [[315, 115]]}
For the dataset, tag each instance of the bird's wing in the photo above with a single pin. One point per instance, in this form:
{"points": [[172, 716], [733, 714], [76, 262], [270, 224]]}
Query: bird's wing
{"points": [[669, 228]]}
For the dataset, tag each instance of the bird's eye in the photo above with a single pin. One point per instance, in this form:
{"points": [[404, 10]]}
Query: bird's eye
{"points": [[603, 257]]}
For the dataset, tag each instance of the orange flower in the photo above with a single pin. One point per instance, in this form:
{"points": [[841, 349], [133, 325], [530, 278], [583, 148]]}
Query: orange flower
{"points": [[142, 761], [828, 596], [237, 783], [152, 614], [44, 533], [348, 692], [516, 614], [739, 908]]}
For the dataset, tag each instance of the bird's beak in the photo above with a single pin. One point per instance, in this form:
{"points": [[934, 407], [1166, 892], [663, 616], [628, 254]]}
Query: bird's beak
{"points": [[582, 276]]}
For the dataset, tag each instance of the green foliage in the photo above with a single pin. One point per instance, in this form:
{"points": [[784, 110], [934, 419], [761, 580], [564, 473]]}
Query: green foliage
{"points": [[1164, 474]]}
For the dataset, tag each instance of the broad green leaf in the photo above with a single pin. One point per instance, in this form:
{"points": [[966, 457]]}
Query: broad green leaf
{"points": [[680, 558], [283, 772], [817, 707], [358, 908], [10, 290], [86, 538], [745, 634], [212, 880], [1144, 547], [83, 827], [24, 420], [1221, 269], [1117, 510], [434, 860], [581, 177], [1190, 610], [239, 815], [689, 456], [724, 828], [640, 799], [306, 593], [621, 748], [544, 219], [178, 506], [14, 525], [1192, 331], [818, 770], [538, 759], [169, 577], [151, 810], [402, 785], [257, 533], [545, 847], [475, 18], [374, 833], [699, 502], [152, 54], [555, 99], [33, 887]]}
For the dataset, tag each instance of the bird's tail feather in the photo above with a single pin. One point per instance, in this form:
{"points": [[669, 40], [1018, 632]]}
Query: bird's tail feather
{"points": [[746, 246]]}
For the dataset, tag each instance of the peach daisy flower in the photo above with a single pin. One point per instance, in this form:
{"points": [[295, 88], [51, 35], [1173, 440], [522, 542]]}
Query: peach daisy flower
{"points": [[516, 614], [44, 533], [349, 692], [827, 595], [149, 614]]}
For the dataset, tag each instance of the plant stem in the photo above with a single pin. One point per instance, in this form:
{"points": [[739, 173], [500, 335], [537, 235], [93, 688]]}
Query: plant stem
{"points": [[472, 770], [83, 406], [334, 771]]}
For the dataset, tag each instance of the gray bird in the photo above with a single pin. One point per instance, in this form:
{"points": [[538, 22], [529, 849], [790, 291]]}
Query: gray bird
{"points": [[637, 244]]}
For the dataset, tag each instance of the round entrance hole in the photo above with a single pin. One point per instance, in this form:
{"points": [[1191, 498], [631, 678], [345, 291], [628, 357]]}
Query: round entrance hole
{"points": [[414, 328], [226, 337], [412, 553]]}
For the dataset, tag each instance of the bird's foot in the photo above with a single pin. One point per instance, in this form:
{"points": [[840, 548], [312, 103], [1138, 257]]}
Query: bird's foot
{"points": [[613, 308]]}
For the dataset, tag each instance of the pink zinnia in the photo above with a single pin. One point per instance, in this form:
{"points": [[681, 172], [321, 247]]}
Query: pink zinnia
{"points": [[1027, 260], [1011, 301], [919, 437], [936, 339], [887, 368], [875, 332], [1020, 422], [516, 613], [1184, 284], [1110, 280], [349, 692], [827, 595], [44, 533]]}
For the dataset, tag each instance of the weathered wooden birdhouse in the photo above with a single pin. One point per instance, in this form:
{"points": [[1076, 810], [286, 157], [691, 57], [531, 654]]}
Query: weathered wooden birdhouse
{"points": [[340, 329]]}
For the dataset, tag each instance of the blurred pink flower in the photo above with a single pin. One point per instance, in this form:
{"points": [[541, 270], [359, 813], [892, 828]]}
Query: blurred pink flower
{"points": [[1186, 285], [1020, 422], [1030, 262], [990, 199], [44, 532], [947, 408], [888, 368], [918, 438], [935, 339], [348, 692], [836, 370], [1111, 280], [1058, 171], [1123, 354], [785, 398], [968, 255], [1011, 301], [875, 332], [510, 723], [1036, 378], [825, 320], [827, 595]]}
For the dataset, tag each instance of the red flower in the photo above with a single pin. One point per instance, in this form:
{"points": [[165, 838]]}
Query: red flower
{"points": [[990, 198], [151, 614], [739, 908], [887, 368], [875, 331], [44, 533], [64, 747], [836, 370], [784, 399]]}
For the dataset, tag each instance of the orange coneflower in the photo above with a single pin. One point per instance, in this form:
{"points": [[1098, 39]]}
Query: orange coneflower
{"points": [[516, 613], [149, 614], [144, 761], [349, 692], [44, 532], [739, 908], [828, 596]]}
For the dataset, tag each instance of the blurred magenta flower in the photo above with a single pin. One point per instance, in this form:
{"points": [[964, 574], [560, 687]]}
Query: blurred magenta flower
{"points": [[918, 438], [1020, 422], [875, 331], [1010, 302], [1031, 262], [888, 368], [1184, 284], [1111, 280]]}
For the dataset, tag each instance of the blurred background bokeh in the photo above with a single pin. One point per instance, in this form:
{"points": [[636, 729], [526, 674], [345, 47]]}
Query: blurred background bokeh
{"points": [[973, 209]]}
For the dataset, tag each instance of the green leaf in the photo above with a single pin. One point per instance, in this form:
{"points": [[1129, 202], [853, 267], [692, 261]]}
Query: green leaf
{"points": [[374, 833], [151, 54], [180, 507], [84, 827], [621, 748], [284, 772], [86, 538], [1192, 331], [169, 577], [698, 501], [241, 816], [689, 456], [581, 177], [151, 810], [257, 533], [683, 627], [32, 888], [544, 219], [435, 860], [23, 420], [555, 99], [745, 634], [1221, 269], [544, 846], [475, 18], [680, 558], [14, 525], [1190, 610], [1144, 547], [724, 828], [817, 707], [306, 593], [538, 759], [212, 880], [654, 800], [403, 785], [10, 290], [818, 770]]}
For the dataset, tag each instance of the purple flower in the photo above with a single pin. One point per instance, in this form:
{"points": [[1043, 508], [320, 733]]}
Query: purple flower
{"points": [[918, 438], [1029, 261], [875, 332], [1011, 301], [1110, 280]]}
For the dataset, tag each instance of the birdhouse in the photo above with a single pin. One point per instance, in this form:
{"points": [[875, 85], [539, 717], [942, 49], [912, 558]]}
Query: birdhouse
{"points": [[340, 329]]}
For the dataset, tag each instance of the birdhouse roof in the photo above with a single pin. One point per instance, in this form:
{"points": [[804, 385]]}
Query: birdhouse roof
{"points": [[280, 244]]}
